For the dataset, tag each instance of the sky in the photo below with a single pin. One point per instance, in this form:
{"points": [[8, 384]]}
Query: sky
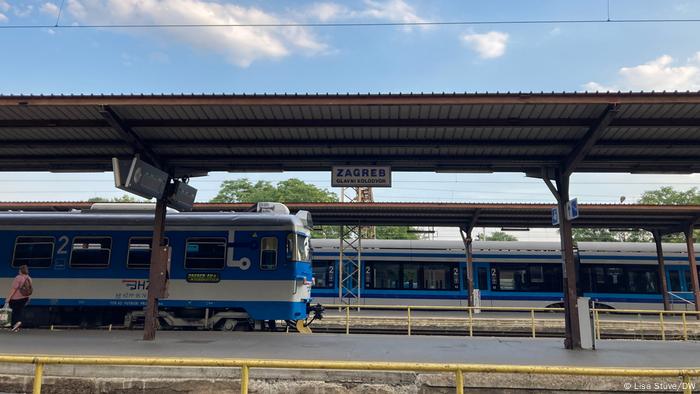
{"points": [[64, 55]]}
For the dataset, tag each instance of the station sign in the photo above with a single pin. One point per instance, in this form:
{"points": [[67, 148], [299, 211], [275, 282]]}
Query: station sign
{"points": [[139, 177], [361, 176], [555, 216], [183, 197], [572, 209]]}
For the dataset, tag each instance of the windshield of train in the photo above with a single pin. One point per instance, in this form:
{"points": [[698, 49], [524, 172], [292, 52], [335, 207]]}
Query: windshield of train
{"points": [[298, 247]]}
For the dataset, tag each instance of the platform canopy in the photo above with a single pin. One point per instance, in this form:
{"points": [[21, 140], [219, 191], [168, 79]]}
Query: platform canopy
{"points": [[650, 217], [194, 134]]}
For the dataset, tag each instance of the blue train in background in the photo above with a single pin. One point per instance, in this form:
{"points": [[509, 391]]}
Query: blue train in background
{"points": [[615, 275], [227, 270]]}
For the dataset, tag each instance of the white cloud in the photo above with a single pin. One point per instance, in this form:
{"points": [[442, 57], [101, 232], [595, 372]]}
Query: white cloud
{"points": [[23, 10], [4, 7], [49, 8], [380, 10], [391, 10], [325, 12], [239, 45], [488, 45], [657, 74]]}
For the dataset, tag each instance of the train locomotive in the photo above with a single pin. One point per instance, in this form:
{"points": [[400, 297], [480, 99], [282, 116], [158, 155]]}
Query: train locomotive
{"points": [[227, 270]]}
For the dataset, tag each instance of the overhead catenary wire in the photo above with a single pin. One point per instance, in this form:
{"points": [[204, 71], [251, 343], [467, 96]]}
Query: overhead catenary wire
{"points": [[350, 24]]}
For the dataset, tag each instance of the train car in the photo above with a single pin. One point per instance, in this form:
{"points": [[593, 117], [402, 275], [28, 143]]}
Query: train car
{"points": [[227, 270], [615, 275]]}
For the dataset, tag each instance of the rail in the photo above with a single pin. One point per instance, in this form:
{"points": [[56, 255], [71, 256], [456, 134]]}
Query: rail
{"points": [[246, 364], [469, 312]]}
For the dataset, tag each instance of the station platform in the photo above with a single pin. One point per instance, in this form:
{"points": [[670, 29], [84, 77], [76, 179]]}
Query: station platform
{"points": [[338, 347], [264, 345]]}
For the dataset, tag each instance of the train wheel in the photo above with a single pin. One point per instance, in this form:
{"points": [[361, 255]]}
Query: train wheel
{"points": [[228, 325]]}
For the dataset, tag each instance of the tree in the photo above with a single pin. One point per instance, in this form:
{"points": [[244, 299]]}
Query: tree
{"points": [[605, 235], [124, 198], [497, 236], [291, 190], [295, 190], [668, 196], [663, 196]]}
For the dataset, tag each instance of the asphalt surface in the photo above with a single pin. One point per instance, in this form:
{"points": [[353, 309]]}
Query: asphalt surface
{"points": [[520, 351]]}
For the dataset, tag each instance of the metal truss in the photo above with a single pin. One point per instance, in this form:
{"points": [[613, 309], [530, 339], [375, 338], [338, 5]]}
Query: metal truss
{"points": [[350, 259]]}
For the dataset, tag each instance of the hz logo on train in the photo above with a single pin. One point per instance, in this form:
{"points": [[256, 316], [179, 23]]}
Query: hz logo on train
{"points": [[361, 176]]}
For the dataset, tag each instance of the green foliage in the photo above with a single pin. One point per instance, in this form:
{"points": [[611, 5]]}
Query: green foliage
{"points": [[295, 190], [663, 196], [605, 235], [668, 196], [124, 198], [497, 236], [290, 190], [395, 232]]}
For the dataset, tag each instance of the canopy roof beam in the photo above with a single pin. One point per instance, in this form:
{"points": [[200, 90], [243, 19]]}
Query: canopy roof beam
{"points": [[588, 141], [130, 136]]}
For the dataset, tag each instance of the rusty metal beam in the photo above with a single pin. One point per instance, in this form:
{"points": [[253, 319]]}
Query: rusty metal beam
{"points": [[360, 99], [130, 136], [588, 141]]}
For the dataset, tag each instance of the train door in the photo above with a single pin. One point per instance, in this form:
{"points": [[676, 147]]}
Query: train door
{"points": [[482, 277], [678, 280]]}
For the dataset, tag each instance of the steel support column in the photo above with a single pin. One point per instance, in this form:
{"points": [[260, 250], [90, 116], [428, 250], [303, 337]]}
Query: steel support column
{"points": [[157, 273], [466, 233], [572, 328], [662, 268], [690, 242]]}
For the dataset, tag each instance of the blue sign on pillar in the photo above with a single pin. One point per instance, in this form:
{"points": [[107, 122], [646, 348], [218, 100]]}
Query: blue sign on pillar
{"points": [[555, 216], [572, 209]]}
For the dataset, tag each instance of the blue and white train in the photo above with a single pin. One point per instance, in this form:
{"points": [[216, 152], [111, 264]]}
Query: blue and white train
{"points": [[615, 275], [227, 270]]}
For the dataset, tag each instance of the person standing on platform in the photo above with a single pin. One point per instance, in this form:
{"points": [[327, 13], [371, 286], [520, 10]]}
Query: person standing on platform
{"points": [[19, 296]]}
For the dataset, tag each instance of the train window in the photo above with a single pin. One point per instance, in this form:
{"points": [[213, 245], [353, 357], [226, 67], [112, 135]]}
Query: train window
{"points": [[323, 273], [205, 253], [620, 279], [298, 247], [268, 253], [140, 252], [385, 276], [436, 276], [34, 252], [536, 273], [526, 277], [482, 277], [674, 282], [90, 252], [410, 276]]}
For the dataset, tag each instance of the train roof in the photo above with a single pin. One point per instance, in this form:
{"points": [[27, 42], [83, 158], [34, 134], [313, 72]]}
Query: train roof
{"points": [[584, 247], [146, 218], [640, 247], [441, 245]]}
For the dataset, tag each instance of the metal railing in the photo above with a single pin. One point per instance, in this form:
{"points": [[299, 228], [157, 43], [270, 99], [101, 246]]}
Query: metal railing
{"points": [[470, 311], [246, 364], [663, 323], [470, 318]]}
